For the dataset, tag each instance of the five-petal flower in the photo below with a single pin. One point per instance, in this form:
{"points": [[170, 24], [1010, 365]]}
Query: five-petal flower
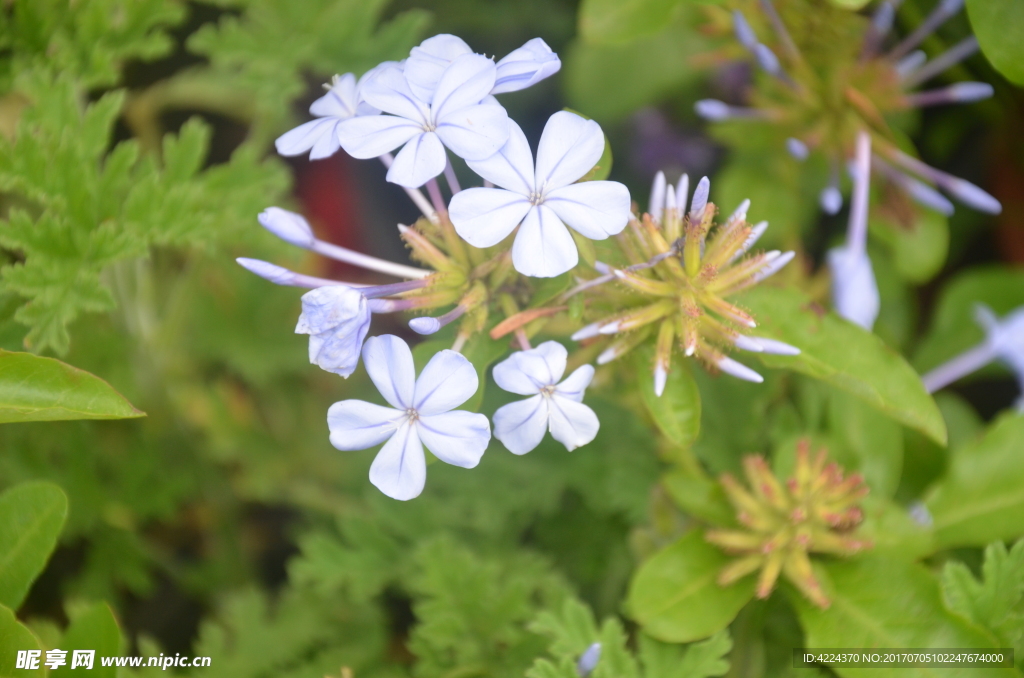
{"points": [[554, 406], [454, 118], [421, 413], [320, 136], [544, 198]]}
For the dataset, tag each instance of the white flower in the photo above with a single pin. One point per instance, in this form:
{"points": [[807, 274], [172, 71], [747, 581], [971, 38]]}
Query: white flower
{"points": [[420, 414], [337, 319], [854, 290], [454, 118], [519, 69], [542, 199], [555, 407], [320, 136]]}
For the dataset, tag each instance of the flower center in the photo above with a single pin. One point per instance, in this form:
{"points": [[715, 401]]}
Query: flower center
{"points": [[412, 415], [548, 390]]}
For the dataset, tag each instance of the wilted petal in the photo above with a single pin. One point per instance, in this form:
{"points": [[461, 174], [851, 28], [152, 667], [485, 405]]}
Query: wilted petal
{"points": [[418, 162], [299, 140], [340, 101], [576, 383], [527, 372], [325, 308], [357, 425], [388, 90], [337, 319], [485, 216], [569, 147], [400, 469], [466, 81], [525, 67], [571, 423], [448, 380], [457, 438], [474, 132], [388, 361], [372, 136], [543, 247], [428, 61], [854, 290], [512, 166], [520, 426], [596, 209]]}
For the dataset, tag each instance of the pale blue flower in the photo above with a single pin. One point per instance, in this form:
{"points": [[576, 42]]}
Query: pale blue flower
{"points": [[336, 318], [320, 136], [553, 406], [422, 413], [543, 199]]}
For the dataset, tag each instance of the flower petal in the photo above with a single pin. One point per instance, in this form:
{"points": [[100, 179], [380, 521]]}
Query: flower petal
{"points": [[571, 423], [458, 438], [512, 166], [400, 469], [526, 66], [299, 140], [340, 101], [327, 307], [337, 318], [520, 426], [388, 90], [543, 247], [596, 209], [388, 361], [327, 145], [576, 383], [527, 372], [474, 132], [448, 380], [569, 147], [357, 425], [418, 162], [466, 81], [428, 61], [485, 216], [372, 136]]}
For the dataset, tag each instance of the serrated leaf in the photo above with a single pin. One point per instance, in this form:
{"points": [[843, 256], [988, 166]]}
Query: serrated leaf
{"points": [[999, 27], [698, 660], [33, 388], [677, 411], [886, 602], [14, 636], [996, 602], [94, 628], [981, 497], [845, 356], [31, 518], [675, 596]]}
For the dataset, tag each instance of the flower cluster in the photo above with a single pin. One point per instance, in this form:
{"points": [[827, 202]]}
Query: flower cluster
{"points": [[681, 271], [815, 511], [828, 85]]}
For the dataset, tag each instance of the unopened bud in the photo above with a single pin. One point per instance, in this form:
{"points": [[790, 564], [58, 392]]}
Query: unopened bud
{"points": [[288, 226]]}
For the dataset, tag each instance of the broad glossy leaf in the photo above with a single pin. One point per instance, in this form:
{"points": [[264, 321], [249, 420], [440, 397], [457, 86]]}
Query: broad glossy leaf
{"points": [[918, 250], [94, 628], [700, 497], [675, 597], [677, 411], [15, 636], [999, 26], [893, 532], [33, 388], [879, 601], [845, 356], [981, 497], [868, 442], [31, 517], [609, 22]]}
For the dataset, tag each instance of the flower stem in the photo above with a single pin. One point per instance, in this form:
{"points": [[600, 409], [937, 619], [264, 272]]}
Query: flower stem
{"points": [[449, 175], [856, 238]]}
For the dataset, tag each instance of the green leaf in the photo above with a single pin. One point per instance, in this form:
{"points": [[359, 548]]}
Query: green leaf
{"points": [[15, 636], [919, 249], [999, 27], [850, 4], [845, 356], [997, 601], [886, 602], [94, 628], [675, 597], [981, 497], [868, 442], [892, 532], [31, 518], [571, 631], [677, 411], [700, 497], [33, 388], [699, 660], [617, 21]]}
